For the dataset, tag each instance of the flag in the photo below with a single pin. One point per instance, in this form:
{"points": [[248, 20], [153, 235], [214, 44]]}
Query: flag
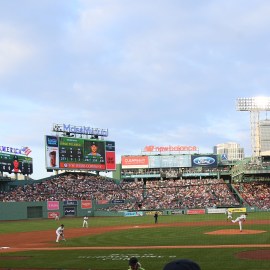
{"points": [[26, 150]]}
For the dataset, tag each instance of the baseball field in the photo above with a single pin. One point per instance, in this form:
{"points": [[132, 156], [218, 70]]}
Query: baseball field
{"points": [[108, 243]]}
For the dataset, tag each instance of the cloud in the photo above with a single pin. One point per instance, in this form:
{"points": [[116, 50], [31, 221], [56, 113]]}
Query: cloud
{"points": [[152, 72], [14, 52]]}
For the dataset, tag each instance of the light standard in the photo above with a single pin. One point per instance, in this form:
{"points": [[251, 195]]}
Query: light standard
{"points": [[254, 105]]}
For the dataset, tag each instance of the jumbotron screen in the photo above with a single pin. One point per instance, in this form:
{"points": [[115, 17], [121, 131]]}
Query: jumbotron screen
{"points": [[12, 163], [69, 153]]}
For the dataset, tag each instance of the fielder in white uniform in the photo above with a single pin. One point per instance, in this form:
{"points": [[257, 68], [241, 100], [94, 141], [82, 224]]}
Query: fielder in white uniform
{"points": [[229, 215], [60, 233], [85, 222], [240, 220]]}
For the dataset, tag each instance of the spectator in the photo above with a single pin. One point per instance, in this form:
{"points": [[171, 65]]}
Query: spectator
{"points": [[134, 264]]}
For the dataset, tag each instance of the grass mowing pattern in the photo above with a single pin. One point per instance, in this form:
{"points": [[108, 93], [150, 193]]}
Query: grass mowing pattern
{"points": [[214, 258]]}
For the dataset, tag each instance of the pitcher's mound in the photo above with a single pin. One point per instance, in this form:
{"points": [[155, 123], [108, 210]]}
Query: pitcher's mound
{"points": [[234, 231]]}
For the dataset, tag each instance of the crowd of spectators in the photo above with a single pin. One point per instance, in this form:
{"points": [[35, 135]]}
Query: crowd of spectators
{"points": [[162, 194], [255, 194], [190, 193], [66, 187]]}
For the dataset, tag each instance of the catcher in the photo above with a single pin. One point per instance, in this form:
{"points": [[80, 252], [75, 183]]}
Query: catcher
{"points": [[60, 233]]}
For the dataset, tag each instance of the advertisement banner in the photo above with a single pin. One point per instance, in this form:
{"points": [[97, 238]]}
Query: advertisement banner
{"points": [[216, 210], [132, 162], [70, 202], [196, 212], [53, 215], [110, 146], [118, 201], [204, 160], [85, 166], [178, 212], [154, 162], [151, 213], [52, 205], [102, 201], [238, 210], [170, 161], [51, 152], [110, 161], [133, 214], [86, 204], [69, 211]]}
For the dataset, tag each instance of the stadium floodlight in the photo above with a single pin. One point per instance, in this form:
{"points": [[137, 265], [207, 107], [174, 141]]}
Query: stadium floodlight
{"points": [[254, 105]]}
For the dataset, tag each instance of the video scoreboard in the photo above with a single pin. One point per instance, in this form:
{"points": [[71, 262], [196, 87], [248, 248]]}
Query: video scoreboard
{"points": [[12, 163], [69, 153]]}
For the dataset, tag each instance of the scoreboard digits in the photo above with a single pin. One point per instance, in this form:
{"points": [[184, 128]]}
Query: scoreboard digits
{"points": [[70, 154]]}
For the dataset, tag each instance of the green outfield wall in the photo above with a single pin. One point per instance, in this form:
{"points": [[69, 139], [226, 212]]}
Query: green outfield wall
{"points": [[32, 210]]}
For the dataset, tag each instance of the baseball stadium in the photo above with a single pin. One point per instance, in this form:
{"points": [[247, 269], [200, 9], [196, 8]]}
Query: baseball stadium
{"points": [[160, 205]]}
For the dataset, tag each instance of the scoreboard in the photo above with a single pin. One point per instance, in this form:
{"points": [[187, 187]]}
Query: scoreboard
{"points": [[68, 153], [70, 150], [11, 163]]}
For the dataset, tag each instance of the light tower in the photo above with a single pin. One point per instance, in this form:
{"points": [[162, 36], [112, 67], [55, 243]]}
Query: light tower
{"points": [[254, 105]]}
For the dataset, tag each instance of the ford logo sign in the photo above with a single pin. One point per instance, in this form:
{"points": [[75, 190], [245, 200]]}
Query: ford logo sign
{"points": [[204, 161]]}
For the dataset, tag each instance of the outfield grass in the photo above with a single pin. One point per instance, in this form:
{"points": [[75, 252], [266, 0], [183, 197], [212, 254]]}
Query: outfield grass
{"points": [[151, 259]]}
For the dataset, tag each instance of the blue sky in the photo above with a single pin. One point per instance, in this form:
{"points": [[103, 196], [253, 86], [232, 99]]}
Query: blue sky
{"points": [[153, 72]]}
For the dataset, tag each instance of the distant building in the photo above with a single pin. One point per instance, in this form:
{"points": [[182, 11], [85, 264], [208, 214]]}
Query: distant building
{"points": [[230, 151], [264, 127]]}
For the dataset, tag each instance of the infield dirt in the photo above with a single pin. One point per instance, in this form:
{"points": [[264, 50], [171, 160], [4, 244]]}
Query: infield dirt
{"points": [[45, 240]]}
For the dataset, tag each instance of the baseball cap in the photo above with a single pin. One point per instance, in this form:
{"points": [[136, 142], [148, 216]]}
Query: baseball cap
{"points": [[132, 261], [182, 264]]}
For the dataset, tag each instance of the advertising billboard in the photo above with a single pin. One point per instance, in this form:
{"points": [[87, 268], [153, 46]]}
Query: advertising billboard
{"points": [[69, 153], [170, 161], [204, 160], [134, 162], [12, 163], [156, 161]]}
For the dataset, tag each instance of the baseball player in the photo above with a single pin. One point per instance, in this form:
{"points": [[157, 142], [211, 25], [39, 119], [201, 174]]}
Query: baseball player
{"points": [[229, 215], [85, 222], [156, 217], [240, 220], [60, 233]]}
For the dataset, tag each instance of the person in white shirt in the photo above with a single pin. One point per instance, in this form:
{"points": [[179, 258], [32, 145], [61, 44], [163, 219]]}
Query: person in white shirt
{"points": [[240, 220], [229, 215], [60, 233], [85, 222]]}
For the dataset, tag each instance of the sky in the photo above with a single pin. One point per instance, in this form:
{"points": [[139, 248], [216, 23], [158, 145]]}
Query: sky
{"points": [[153, 72]]}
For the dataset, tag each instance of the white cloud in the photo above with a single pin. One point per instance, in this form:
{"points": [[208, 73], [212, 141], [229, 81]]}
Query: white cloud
{"points": [[14, 52], [153, 72]]}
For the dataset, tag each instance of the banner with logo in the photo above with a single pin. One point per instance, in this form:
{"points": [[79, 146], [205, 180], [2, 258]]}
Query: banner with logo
{"points": [[86, 204], [52, 205]]}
